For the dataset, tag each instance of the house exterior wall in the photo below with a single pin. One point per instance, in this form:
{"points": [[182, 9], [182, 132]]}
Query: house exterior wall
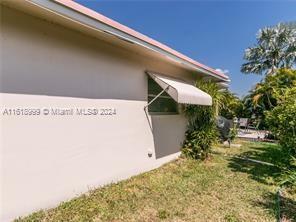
{"points": [[49, 158]]}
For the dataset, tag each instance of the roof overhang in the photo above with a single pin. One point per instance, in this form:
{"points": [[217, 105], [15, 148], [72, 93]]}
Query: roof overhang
{"points": [[76, 16]]}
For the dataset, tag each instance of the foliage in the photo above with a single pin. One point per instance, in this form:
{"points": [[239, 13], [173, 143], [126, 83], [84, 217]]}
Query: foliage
{"points": [[291, 24], [233, 106], [202, 131], [198, 143], [272, 88], [289, 177], [266, 94], [275, 48], [282, 120]]}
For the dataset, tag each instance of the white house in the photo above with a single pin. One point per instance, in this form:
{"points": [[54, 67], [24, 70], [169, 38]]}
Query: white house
{"points": [[74, 90]]}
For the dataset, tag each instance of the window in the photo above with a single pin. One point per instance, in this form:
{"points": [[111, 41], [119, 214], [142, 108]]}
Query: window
{"points": [[164, 104]]}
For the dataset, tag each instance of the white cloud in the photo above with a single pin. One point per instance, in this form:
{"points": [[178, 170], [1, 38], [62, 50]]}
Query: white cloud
{"points": [[225, 71]]}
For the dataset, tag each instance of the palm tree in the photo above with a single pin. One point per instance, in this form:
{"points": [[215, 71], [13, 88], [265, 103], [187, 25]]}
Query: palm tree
{"points": [[262, 98], [276, 48], [267, 94], [272, 87]]}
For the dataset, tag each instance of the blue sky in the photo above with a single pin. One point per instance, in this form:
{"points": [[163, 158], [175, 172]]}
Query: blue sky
{"points": [[212, 32]]}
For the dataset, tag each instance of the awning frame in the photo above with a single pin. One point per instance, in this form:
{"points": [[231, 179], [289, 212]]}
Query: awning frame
{"points": [[181, 91], [156, 97]]}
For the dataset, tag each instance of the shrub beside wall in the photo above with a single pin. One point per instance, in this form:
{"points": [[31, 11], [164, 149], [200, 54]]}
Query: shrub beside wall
{"points": [[202, 131]]}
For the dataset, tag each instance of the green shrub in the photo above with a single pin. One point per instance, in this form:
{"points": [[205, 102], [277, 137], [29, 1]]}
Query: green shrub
{"points": [[202, 131], [198, 143], [282, 120], [289, 176]]}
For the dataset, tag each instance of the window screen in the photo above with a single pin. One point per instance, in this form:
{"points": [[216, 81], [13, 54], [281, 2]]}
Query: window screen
{"points": [[164, 104]]}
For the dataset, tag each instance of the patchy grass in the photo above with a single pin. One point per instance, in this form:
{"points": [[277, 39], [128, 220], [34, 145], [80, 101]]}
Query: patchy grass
{"points": [[222, 188]]}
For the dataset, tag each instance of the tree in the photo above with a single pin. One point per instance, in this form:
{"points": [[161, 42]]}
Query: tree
{"points": [[267, 94], [232, 105], [275, 48]]}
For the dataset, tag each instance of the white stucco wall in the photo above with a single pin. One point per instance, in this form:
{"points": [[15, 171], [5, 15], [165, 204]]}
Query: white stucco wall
{"points": [[46, 159]]}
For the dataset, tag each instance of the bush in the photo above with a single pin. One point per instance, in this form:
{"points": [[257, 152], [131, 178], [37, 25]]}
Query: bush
{"points": [[202, 130], [282, 120], [289, 176], [198, 142]]}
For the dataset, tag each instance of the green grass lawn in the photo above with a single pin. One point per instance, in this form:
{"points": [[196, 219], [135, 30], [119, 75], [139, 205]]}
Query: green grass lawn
{"points": [[222, 188]]}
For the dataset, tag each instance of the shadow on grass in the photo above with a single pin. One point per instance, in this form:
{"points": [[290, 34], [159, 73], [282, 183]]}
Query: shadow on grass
{"points": [[270, 153], [266, 174], [286, 205], [261, 173]]}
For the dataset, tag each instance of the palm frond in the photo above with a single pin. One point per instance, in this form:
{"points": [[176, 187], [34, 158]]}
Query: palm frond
{"points": [[275, 48]]}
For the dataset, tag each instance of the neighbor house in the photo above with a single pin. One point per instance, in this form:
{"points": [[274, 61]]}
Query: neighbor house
{"points": [[85, 101]]}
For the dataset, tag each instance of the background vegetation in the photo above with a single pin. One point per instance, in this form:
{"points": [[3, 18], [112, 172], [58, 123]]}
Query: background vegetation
{"points": [[282, 120], [275, 49], [273, 101]]}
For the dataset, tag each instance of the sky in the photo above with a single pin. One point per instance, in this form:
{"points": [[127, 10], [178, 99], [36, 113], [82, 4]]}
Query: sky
{"points": [[215, 33]]}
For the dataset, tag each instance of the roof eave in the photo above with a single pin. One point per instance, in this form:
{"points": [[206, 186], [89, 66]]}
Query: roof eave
{"points": [[87, 17]]}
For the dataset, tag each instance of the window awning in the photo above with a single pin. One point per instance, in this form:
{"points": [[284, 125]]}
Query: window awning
{"points": [[182, 92]]}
